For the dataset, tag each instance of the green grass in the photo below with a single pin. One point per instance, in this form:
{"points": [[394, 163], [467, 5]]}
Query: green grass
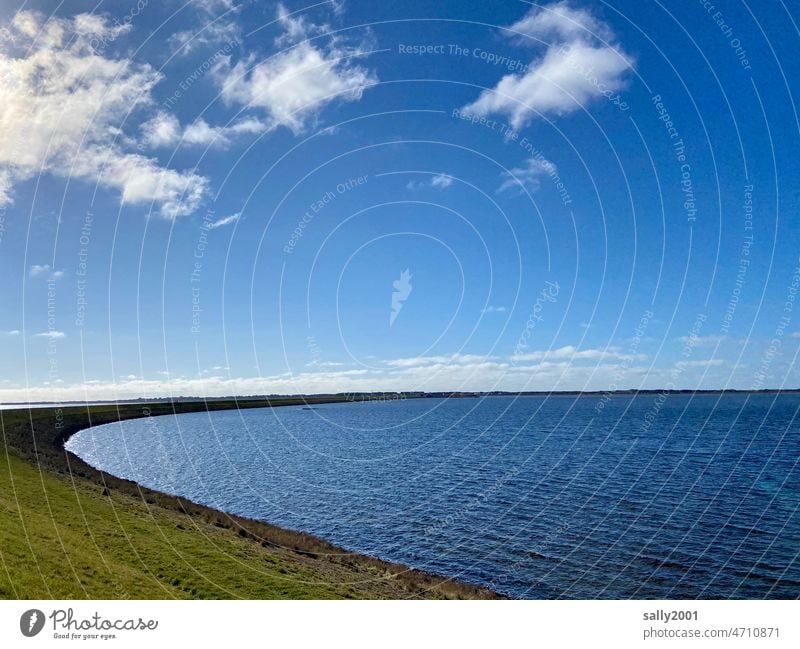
{"points": [[68, 531], [69, 541]]}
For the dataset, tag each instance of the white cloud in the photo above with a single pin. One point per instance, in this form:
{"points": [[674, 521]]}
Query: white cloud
{"points": [[702, 341], [217, 23], [199, 132], [26, 23], [37, 270], [562, 21], [441, 181], [573, 354], [469, 372], [424, 361], [567, 355], [710, 362], [294, 85], [164, 130], [188, 41], [296, 27], [526, 177], [142, 180], [53, 335], [6, 185], [483, 375], [437, 181], [494, 309], [95, 29], [315, 363], [10, 332], [63, 107], [225, 220], [580, 64]]}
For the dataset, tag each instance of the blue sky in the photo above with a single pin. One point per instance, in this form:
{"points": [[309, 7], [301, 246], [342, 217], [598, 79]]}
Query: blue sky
{"points": [[225, 197]]}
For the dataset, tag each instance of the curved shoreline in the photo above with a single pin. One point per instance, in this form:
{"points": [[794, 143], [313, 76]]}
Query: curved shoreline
{"points": [[38, 435]]}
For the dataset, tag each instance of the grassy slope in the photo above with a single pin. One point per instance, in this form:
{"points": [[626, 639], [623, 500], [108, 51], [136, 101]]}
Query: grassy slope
{"points": [[65, 540], [68, 531]]}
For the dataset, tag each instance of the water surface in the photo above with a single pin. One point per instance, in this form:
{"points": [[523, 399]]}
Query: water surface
{"points": [[560, 497]]}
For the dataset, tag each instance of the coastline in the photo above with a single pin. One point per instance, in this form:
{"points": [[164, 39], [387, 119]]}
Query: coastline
{"points": [[37, 436]]}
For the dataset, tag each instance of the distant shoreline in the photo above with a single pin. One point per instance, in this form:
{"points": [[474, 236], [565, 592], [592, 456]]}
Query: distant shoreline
{"points": [[340, 397]]}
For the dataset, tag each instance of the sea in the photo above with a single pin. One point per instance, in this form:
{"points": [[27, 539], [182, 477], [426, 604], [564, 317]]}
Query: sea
{"points": [[561, 497]]}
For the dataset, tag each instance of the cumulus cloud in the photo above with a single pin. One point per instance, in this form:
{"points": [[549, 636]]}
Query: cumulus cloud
{"points": [[142, 180], [199, 132], [579, 64], [562, 21], [294, 85], [10, 332], [164, 130], [63, 107], [527, 176]]}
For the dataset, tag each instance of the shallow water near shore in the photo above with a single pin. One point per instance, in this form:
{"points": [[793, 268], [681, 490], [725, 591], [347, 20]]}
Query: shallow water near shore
{"points": [[562, 497]]}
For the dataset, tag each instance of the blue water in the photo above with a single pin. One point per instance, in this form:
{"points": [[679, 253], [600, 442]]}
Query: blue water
{"points": [[557, 497]]}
